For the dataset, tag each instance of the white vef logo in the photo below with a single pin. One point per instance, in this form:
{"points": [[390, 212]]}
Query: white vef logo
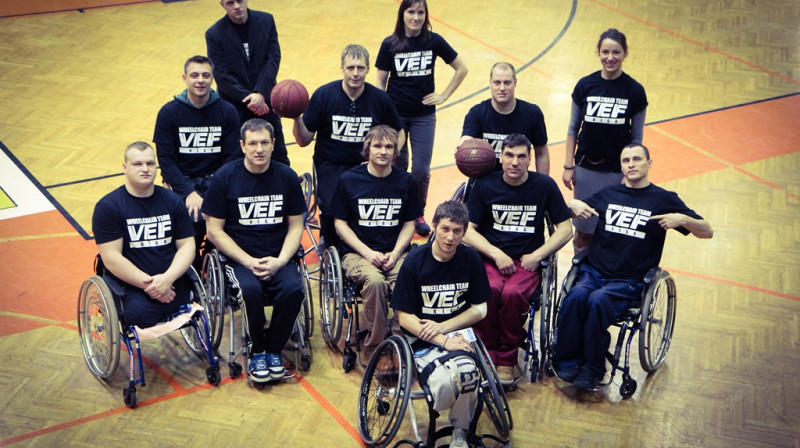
{"points": [[514, 218], [417, 63], [443, 298], [200, 140], [601, 109], [256, 210], [626, 220], [379, 212], [151, 231], [350, 129]]}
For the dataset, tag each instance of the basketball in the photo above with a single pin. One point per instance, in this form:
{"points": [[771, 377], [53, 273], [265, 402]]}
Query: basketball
{"points": [[289, 98], [475, 158]]}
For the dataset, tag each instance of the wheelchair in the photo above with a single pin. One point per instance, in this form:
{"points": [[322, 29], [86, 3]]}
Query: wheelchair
{"points": [[535, 363], [226, 299], [101, 325], [384, 398], [653, 320], [339, 299]]}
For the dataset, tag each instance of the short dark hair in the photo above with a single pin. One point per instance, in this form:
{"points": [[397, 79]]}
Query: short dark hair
{"points": [[197, 59], [615, 35], [514, 140], [639, 145], [256, 124], [453, 210], [380, 132], [138, 145]]}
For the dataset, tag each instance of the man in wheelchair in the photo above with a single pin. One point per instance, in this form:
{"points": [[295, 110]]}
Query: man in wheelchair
{"points": [[145, 239], [375, 207], [441, 288], [629, 239], [254, 215], [506, 212]]}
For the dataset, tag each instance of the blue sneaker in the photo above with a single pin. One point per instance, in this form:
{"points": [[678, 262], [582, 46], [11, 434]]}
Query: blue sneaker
{"points": [[276, 369], [258, 371]]}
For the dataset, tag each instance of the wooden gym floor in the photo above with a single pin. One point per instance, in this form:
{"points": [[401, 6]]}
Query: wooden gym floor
{"points": [[722, 77]]}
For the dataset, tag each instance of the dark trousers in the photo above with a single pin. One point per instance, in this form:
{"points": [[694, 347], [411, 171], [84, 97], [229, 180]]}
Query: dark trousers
{"points": [[283, 291], [143, 311], [591, 306], [328, 175]]}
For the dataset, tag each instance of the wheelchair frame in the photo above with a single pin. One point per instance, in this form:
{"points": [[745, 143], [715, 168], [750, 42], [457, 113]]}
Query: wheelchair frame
{"points": [[654, 320], [384, 398], [101, 325], [225, 300]]}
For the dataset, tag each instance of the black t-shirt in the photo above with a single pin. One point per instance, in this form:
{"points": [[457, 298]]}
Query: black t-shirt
{"points": [[148, 226], [607, 110], [411, 71], [482, 121], [376, 208], [626, 243], [438, 291], [511, 217], [255, 206], [342, 124]]}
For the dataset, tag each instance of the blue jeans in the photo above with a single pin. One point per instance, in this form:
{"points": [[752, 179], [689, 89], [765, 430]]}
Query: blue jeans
{"points": [[420, 132], [591, 306]]}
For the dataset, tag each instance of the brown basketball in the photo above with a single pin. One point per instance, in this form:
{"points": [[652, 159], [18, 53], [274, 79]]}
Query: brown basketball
{"points": [[475, 158], [289, 98]]}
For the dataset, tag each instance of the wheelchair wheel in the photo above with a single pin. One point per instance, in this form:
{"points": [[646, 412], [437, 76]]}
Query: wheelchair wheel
{"points": [[657, 321], [331, 294], [98, 327], [214, 283], [549, 296], [458, 195], [385, 391], [494, 396], [307, 185], [193, 334], [308, 303]]}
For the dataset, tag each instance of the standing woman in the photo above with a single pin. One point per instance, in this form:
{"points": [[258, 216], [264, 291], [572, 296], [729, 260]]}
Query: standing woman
{"points": [[405, 62], [608, 107]]}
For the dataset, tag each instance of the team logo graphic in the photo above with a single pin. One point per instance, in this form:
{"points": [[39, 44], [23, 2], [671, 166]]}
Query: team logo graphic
{"points": [[350, 129], [605, 110], [200, 140], [379, 212], [443, 298], [418, 63], [626, 220], [514, 218], [152, 231], [258, 210], [496, 140]]}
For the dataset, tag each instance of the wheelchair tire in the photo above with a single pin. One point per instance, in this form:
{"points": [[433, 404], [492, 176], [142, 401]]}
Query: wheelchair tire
{"points": [[657, 321], [384, 395], [213, 376], [308, 301], [129, 396], [549, 296], [214, 283], [331, 297], [493, 394], [98, 327], [193, 333], [628, 387]]}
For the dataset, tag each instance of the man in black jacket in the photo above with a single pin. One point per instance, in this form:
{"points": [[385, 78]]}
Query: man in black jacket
{"points": [[246, 54]]}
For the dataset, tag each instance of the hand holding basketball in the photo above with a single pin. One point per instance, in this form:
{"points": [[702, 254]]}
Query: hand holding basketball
{"points": [[289, 98]]}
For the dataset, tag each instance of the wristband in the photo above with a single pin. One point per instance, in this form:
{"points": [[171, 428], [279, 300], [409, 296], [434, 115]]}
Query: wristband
{"points": [[569, 167]]}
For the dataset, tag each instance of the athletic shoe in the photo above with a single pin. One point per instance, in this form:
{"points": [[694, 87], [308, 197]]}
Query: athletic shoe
{"points": [[459, 439], [587, 380], [276, 368], [567, 373], [505, 374], [258, 370], [422, 227]]}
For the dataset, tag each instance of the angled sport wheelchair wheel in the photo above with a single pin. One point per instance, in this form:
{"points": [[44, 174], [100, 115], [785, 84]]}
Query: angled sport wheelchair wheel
{"points": [[657, 321], [494, 396], [308, 303], [98, 327], [548, 307], [331, 296], [193, 335], [214, 285], [385, 391]]}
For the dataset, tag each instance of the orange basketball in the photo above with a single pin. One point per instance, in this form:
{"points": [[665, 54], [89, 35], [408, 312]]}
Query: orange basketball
{"points": [[475, 158], [289, 98]]}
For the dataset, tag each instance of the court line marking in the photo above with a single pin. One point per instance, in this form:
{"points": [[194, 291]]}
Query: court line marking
{"points": [[79, 10], [698, 43], [35, 237]]}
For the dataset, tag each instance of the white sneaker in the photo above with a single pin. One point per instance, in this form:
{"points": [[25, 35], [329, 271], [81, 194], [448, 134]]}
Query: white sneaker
{"points": [[459, 439]]}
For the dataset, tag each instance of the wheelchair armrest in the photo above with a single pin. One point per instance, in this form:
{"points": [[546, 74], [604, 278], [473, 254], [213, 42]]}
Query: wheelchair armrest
{"points": [[578, 258], [651, 275], [116, 289]]}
